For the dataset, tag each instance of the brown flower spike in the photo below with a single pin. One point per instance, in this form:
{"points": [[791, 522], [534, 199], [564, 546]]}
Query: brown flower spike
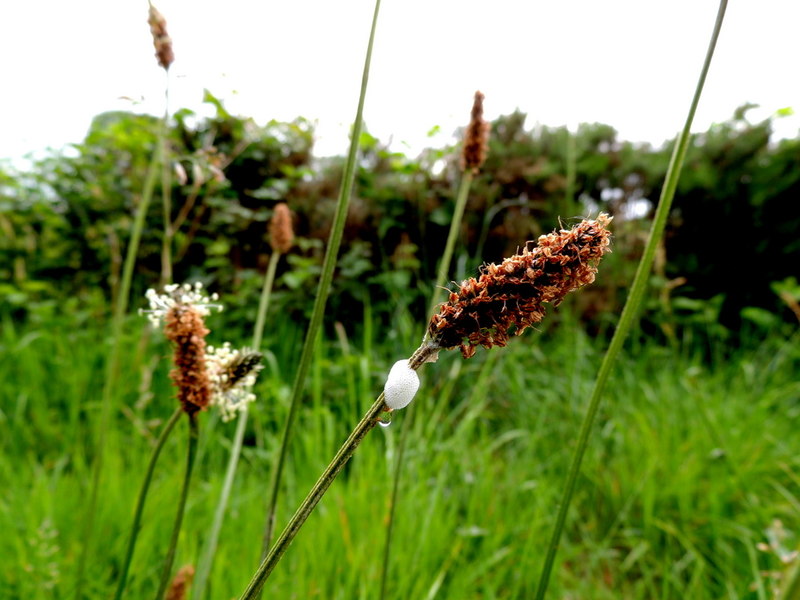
{"points": [[185, 328], [161, 39], [476, 139], [511, 295], [180, 583], [281, 234]]}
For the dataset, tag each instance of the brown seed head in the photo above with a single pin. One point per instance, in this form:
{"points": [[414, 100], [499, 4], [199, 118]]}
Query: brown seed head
{"points": [[161, 39], [482, 311], [476, 139], [180, 583], [281, 234], [185, 328]]}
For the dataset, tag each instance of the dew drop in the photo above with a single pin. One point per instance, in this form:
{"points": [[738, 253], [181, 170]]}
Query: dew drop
{"points": [[385, 419]]}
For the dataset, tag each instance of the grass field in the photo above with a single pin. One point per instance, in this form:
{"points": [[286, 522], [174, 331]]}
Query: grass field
{"points": [[694, 456]]}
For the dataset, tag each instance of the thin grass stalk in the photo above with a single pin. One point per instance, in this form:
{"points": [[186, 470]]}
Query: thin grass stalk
{"points": [[571, 159], [207, 559], [629, 312], [452, 236], [263, 303], [112, 369], [166, 192], [790, 587], [306, 508], [169, 559], [140, 501], [320, 301], [398, 468]]}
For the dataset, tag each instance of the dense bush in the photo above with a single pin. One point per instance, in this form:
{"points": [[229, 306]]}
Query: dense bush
{"points": [[732, 233]]}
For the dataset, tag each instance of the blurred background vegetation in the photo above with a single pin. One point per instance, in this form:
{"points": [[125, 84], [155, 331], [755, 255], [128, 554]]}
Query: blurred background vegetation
{"points": [[729, 259]]}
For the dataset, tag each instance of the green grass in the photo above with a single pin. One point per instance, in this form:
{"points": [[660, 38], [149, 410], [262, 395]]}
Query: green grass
{"points": [[694, 454]]}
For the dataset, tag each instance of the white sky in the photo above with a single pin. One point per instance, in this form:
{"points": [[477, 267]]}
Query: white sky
{"points": [[630, 63]]}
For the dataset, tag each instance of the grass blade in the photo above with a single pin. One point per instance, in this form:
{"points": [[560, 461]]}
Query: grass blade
{"points": [[322, 293], [629, 312]]}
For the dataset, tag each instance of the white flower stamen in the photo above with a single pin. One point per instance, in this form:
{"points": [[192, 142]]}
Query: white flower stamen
{"points": [[174, 295], [233, 374]]}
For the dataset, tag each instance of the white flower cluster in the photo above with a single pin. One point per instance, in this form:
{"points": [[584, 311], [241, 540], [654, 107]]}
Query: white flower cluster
{"points": [[233, 374], [174, 295]]}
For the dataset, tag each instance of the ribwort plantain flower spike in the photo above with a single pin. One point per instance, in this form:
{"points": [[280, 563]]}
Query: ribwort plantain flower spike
{"points": [[506, 298], [161, 39], [204, 375], [509, 297], [185, 328], [476, 139], [180, 583], [281, 235]]}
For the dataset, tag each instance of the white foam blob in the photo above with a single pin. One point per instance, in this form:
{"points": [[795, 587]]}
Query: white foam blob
{"points": [[401, 385]]}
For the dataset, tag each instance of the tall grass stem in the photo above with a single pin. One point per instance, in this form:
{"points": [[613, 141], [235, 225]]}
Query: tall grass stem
{"points": [[452, 237], [169, 559], [572, 164], [307, 507], [630, 310], [112, 368], [790, 586], [396, 476], [140, 501], [321, 299], [166, 192], [263, 303], [207, 559]]}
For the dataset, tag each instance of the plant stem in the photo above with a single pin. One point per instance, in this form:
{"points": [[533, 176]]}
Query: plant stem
{"points": [[398, 467], [207, 559], [137, 515], [176, 528], [313, 497], [166, 193], [629, 312], [112, 368], [263, 303], [571, 160], [322, 293], [452, 236], [790, 586]]}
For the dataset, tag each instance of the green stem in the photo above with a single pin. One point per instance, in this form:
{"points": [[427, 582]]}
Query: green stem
{"points": [[790, 588], [629, 312], [137, 515], [306, 508], [263, 304], [204, 567], [166, 570], [166, 194], [452, 237], [112, 368], [322, 293], [398, 467], [569, 186]]}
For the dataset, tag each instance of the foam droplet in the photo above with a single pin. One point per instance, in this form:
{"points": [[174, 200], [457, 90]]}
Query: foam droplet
{"points": [[401, 385]]}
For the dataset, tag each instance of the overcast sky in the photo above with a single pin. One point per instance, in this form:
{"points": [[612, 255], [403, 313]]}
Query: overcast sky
{"points": [[630, 63]]}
